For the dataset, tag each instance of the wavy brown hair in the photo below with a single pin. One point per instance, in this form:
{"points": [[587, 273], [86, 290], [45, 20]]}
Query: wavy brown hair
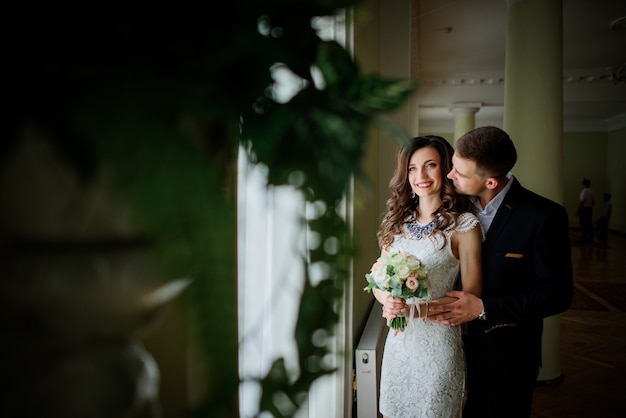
{"points": [[401, 205]]}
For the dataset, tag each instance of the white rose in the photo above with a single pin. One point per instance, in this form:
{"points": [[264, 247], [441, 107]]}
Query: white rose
{"points": [[381, 278], [402, 271]]}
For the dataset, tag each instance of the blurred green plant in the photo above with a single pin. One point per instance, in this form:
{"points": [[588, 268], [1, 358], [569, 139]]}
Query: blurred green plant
{"points": [[161, 97]]}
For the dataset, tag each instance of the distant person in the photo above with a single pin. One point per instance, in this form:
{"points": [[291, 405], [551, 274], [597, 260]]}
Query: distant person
{"points": [[527, 276], [584, 211], [603, 221]]}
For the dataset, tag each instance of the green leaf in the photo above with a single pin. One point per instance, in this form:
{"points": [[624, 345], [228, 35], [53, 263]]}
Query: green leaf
{"points": [[375, 95], [336, 65]]}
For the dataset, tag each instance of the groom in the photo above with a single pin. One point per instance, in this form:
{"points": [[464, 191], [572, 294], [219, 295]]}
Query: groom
{"points": [[527, 276]]}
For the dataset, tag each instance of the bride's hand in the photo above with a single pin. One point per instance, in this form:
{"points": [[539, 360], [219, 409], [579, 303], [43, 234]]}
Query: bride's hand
{"points": [[388, 316], [393, 307]]}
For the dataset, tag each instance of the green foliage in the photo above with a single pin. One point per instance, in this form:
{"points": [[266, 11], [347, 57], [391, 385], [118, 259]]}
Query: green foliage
{"points": [[320, 133]]}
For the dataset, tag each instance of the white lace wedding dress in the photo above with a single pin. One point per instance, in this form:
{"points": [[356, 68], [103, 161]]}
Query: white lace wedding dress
{"points": [[423, 369]]}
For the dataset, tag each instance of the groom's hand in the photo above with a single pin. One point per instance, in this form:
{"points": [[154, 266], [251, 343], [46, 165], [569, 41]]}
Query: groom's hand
{"points": [[466, 308]]}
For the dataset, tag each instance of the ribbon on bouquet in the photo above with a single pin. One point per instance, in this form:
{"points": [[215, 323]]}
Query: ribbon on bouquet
{"points": [[410, 339], [414, 305]]}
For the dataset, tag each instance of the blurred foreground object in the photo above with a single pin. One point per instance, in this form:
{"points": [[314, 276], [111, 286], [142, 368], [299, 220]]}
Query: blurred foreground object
{"points": [[75, 289], [117, 171]]}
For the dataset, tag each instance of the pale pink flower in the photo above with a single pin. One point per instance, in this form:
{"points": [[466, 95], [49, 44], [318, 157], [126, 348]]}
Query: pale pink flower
{"points": [[412, 283]]}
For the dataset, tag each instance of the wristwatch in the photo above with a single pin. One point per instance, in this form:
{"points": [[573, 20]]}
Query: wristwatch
{"points": [[482, 316]]}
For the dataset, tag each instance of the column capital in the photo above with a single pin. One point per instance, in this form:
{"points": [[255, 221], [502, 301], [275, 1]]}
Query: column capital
{"points": [[465, 109]]}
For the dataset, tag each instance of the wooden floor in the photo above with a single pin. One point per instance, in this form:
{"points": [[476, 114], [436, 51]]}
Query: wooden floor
{"points": [[593, 337]]}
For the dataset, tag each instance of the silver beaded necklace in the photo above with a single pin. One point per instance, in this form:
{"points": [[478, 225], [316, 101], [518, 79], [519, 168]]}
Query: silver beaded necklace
{"points": [[421, 231]]}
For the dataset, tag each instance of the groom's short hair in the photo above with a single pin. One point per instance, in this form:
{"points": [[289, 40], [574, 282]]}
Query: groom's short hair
{"points": [[490, 148]]}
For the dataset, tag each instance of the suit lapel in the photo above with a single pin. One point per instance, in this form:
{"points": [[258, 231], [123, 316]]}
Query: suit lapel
{"points": [[502, 215], [498, 223]]}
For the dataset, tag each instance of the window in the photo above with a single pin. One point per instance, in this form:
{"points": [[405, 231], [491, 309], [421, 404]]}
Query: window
{"points": [[272, 239]]}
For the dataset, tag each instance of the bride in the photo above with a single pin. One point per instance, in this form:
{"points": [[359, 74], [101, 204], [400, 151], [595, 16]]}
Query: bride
{"points": [[423, 369]]}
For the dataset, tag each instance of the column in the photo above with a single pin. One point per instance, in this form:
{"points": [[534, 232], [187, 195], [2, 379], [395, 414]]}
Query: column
{"points": [[464, 117], [533, 117]]}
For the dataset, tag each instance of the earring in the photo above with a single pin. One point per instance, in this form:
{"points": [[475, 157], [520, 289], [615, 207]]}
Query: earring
{"points": [[412, 194]]}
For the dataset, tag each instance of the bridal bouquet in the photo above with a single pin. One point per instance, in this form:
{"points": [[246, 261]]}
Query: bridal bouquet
{"points": [[401, 274]]}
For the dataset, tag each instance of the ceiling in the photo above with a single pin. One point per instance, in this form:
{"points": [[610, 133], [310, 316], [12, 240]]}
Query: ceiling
{"points": [[461, 55]]}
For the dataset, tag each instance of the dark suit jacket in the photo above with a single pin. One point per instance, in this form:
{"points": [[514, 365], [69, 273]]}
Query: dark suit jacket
{"points": [[527, 267], [527, 276]]}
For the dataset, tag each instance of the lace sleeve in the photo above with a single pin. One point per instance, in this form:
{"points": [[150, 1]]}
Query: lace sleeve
{"points": [[466, 222]]}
